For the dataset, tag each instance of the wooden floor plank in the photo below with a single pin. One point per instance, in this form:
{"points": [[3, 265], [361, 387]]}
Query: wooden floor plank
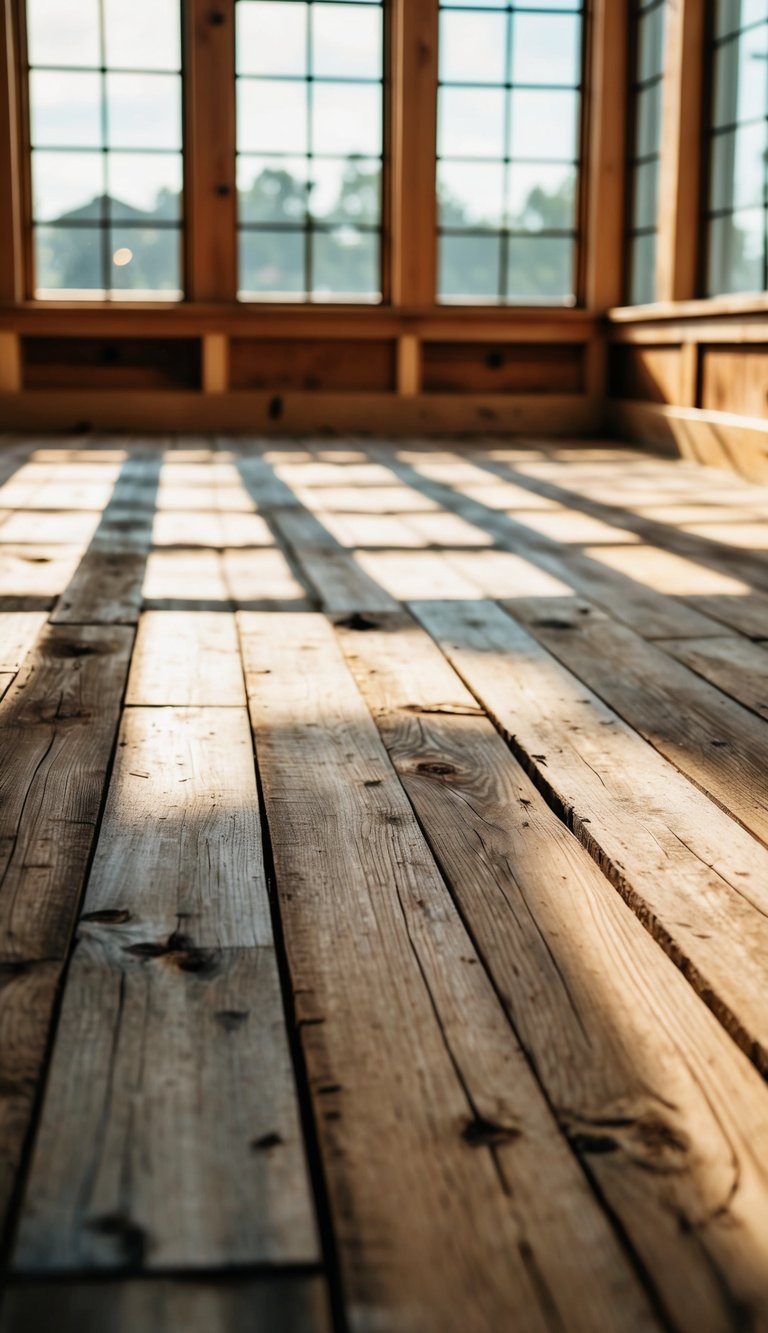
{"points": [[239, 1305], [736, 666], [640, 1073], [169, 1136], [696, 878], [57, 729], [180, 845], [186, 658], [389, 999], [18, 632], [718, 744]]}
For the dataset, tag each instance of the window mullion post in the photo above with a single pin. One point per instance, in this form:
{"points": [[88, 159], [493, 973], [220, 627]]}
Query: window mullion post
{"points": [[679, 217], [209, 150], [11, 228], [607, 87], [413, 122]]}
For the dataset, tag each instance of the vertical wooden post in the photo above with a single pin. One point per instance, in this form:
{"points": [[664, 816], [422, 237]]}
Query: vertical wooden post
{"points": [[680, 167], [215, 362], [412, 154], [408, 365], [10, 363], [11, 231], [210, 126], [689, 375]]}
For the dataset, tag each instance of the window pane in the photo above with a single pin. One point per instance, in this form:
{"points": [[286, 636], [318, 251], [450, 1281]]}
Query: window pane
{"points": [[473, 47], [546, 48], [143, 111], [736, 248], [65, 110], [271, 37], [346, 41], [741, 82], [60, 34], [142, 34], [272, 264], [66, 185], [346, 190], [471, 194], [650, 39], [346, 119], [645, 203], [642, 273], [648, 112], [540, 268], [345, 263], [68, 259], [544, 125], [271, 117], [732, 14], [145, 260], [309, 142], [145, 185], [471, 122], [272, 189], [541, 197], [739, 176], [469, 268]]}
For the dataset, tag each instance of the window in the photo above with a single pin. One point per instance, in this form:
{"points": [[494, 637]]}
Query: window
{"points": [[309, 149], [508, 150], [105, 133], [646, 94], [737, 213]]}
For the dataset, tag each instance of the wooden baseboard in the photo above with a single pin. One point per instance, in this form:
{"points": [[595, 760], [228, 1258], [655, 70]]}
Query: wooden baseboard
{"points": [[288, 413], [717, 439]]}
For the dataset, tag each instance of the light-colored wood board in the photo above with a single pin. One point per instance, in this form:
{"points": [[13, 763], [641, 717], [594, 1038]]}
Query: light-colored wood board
{"points": [[36, 571], [57, 728], [693, 875], [47, 527], [169, 1136], [735, 665], [718, 744], [263, 580], [272, 1304], [18, 493], [180, 846], [415, 574], [390, 997], [185, 581], [27, 996], [186, 658], [639, 1072], [18, 632]]}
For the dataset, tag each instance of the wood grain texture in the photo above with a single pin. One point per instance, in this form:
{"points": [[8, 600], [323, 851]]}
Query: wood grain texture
{"points": [[696, 879], [169, 1136], [189, 658], [57, 729], [718, 744], [240, 1305], [736, 666], [180, 846], [389, 999], [640, 1074]]}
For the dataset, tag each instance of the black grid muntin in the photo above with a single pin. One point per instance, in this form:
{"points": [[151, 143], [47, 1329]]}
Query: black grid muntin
{"points": [[104, 151], [310, 226]]}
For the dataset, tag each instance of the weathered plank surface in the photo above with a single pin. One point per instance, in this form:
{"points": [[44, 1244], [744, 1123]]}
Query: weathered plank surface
{"points": [[735, 665], [696, 878], [180, 845], [721, 746], [390, 999], [170, 1135], [340, 581], [186, 657], [18, 631], [276, 1304], [665, 1113], [57, 728]]}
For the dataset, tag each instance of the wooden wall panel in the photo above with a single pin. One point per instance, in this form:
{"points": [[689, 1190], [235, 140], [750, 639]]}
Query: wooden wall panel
{"points": [[735, 379], [450, 367], [647, 374], [338, 364], [104, 363]]}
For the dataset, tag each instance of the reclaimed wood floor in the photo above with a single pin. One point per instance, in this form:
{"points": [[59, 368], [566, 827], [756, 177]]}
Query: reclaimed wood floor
{"points": [[384, 889]]}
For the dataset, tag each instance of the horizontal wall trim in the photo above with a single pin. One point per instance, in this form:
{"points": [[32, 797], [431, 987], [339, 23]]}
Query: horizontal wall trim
{"points": [[268, 413]]}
